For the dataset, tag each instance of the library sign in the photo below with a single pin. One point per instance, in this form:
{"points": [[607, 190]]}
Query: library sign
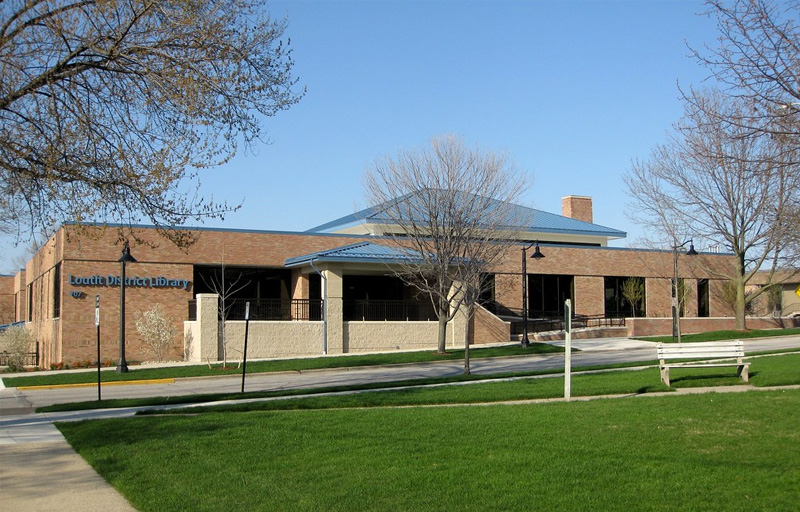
{"points": [[141, 282]]}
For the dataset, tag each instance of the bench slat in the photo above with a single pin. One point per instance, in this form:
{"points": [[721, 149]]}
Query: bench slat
{"points": [[699, 355], [714, 349], [702, 365]]}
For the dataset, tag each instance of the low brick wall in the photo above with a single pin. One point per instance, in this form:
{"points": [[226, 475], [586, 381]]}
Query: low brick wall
{"points": [[488, 328], [663, 326]]}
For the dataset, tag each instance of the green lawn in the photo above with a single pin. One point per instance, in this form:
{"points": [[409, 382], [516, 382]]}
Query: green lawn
{"points": [[144, 373], [712, 452]]}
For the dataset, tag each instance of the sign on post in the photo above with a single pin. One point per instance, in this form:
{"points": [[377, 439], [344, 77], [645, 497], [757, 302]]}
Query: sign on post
{"points": [[567, 349], [246, 329], [97, 326]]}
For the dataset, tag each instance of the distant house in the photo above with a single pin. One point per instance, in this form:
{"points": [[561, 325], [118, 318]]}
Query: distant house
{"points": [[784, 298]]}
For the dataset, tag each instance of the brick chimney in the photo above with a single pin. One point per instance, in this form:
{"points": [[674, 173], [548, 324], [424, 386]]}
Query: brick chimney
{"points": [[577, 207]]}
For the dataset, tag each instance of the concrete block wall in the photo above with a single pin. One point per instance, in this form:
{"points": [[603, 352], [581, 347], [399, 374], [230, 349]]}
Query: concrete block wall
{"points": [[368, 336]]}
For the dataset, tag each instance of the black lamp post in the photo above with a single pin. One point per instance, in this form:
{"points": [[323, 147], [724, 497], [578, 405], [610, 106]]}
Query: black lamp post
{"points": [[676, 302], [537, 255], [122, 365]]}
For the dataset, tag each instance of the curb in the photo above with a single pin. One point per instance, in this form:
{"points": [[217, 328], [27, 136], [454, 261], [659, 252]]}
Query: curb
{"points": [[94, 384]]}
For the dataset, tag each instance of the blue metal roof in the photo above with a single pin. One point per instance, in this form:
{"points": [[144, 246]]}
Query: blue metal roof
{"points": [[354, 253], [526, 219]]}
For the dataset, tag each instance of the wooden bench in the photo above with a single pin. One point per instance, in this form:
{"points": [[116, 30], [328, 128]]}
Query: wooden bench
{"points": [[705, 355]]}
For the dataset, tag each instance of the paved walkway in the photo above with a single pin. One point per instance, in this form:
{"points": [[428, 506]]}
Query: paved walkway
{"points": [[49, 476]]}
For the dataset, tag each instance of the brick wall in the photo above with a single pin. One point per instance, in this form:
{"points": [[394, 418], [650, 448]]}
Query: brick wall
{"points": [[6, 299], [487, 328], [663, 326], [589, 298], [79, 336]]}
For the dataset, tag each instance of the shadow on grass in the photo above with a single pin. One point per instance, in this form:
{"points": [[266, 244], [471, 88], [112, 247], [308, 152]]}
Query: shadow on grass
{"points": [[699, 381]]}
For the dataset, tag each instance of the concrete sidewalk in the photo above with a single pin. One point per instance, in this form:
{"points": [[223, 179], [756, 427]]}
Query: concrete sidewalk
{"points": [[49, 476]]}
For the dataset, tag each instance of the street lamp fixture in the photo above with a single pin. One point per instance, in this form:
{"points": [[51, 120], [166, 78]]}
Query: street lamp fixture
{"points": [[537, 255], [122, 365], [676, 301]]}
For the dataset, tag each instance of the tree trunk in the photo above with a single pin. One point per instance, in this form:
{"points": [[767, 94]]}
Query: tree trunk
{"points": [[740, 306], [468, 338], [442, 333]]}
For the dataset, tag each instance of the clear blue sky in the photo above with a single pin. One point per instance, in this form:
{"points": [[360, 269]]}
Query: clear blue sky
{"points": [[574, 91]]}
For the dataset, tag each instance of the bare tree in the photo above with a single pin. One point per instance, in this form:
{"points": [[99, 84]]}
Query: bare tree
{"points": [[225, 289], [108, 109], [719, 181], [452, 209], [756, 59]]}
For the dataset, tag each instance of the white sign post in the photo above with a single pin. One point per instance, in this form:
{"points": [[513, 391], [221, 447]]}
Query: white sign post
{"points": [[567, 349], [246, 328], [97, 327]]}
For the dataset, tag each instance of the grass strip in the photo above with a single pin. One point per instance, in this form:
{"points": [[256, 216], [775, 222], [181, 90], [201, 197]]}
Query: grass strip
{"points": [[710, 452], [283, 365]]}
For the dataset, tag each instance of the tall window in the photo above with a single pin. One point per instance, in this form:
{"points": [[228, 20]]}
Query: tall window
{"points": [[703, 308], [57, 290], [487, 289], [547, 293], [30, 302], [624, 296]]}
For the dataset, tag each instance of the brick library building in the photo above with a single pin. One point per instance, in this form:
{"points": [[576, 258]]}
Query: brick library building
{"points": [[332, 290]]}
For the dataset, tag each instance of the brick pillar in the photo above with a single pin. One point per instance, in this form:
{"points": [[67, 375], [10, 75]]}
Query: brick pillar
{"points": [[589, 296], [334, 311], [207, 332], [577, 207], [658, 294]]}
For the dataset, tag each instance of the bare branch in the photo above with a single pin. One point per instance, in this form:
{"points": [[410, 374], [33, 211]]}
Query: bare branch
{"points": [[451, 209], [108, 108]]}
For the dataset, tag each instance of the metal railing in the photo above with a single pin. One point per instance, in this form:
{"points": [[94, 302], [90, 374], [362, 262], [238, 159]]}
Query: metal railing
{"points": [[31, 358], [388, 310], [556, 323], [268, 309]]}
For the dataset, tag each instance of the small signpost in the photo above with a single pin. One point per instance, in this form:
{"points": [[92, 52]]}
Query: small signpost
{"points": [[97, 326], [246, 329], [567, 349]]}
